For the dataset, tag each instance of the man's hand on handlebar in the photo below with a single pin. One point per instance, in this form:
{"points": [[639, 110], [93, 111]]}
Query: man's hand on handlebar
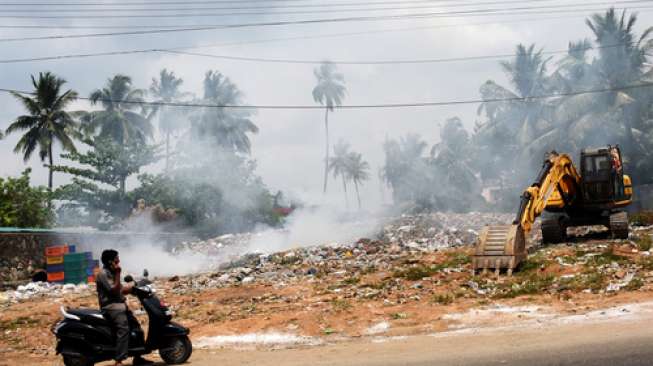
{"points": [[127, 288]]}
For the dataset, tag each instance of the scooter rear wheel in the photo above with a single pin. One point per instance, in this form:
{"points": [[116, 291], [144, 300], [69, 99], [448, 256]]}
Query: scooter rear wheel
{"points": [[177, 350], [80, 360]]}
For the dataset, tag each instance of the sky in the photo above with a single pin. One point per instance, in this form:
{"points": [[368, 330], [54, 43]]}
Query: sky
{"points": [[289, 148]]}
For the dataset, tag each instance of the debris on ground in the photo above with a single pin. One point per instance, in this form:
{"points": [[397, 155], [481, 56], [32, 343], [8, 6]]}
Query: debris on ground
{"points": [[405, 280]]}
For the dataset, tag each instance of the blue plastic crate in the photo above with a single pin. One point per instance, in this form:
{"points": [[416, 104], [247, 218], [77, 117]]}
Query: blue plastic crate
{"points": [[51, 268]]}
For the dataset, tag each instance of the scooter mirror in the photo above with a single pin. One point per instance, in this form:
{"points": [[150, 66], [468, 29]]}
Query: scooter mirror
{"points": [[129, 278], [145, 273]]}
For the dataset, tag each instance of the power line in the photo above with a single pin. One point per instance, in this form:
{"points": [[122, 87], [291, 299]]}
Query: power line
{"points": [[364, 106], [292, 61], [304, 12], [292, 22], [374, 62], [175, 26], [178, 50], [136, 3], [153, 50], [431, 3]]}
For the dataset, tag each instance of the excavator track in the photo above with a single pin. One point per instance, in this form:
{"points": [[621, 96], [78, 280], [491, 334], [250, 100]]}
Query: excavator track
{"points": [[500, 247], [619, 225], [553, 231]]}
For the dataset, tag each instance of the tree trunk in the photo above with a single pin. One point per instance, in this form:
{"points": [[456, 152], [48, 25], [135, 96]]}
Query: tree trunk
{"points": [[122, 186], [50, 173], [326, 159], [344, 185], [167, 152], [358, 195]]}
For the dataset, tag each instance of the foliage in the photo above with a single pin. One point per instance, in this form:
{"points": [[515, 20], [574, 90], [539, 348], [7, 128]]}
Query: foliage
{"points": [[445, 180], [119, 119], [329, 91], [358, 172], [22, 205], [208, 203], [166, 90], [99, 186], [225, 128], [47, 120], [515, 134]]}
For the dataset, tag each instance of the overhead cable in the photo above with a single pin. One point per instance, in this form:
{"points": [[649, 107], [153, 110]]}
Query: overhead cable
{"points": [[284, 23], [361, 106], [431, 3], [317, 11]]}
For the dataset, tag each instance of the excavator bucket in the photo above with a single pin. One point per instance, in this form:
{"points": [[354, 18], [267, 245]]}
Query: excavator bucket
{"points": [[498, 247]]}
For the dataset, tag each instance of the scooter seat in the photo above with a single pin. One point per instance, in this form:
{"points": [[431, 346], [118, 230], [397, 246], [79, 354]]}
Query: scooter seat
{"points": [[92, 316]]}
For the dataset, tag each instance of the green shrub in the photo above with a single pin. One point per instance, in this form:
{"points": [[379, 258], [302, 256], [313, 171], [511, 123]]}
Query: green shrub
{"points": [[22, 205]]}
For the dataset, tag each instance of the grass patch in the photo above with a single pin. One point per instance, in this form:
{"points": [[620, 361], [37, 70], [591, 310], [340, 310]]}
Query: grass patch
{"points": [[634, 285], [533, 264], [605, 257], [339, 305], [533, 284], [644, 242], [590, 280], [351, 280], [443, 299], [398, 316], [643, 218], [646, 263], [20, 322], [416, 273], [457, 260]]}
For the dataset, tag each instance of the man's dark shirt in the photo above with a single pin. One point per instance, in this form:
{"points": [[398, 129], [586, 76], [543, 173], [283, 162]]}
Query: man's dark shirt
{"points": [[104, 282]]}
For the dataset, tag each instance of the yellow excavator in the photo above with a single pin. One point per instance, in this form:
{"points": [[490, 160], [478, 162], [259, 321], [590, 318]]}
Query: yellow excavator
{"points": [[565, 199]]}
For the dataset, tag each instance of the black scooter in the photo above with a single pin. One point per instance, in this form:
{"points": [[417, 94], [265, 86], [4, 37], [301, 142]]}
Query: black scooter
{"points": [[85, 337]]}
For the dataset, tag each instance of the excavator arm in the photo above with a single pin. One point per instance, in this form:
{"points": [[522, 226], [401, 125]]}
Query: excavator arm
{"points": [[557, 186], [504, 246]]}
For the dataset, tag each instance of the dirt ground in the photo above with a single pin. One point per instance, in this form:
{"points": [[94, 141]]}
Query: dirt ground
{"points": [[421, 293]]}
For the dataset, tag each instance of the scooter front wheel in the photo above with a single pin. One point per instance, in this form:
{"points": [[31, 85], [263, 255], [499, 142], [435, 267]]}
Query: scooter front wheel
{"points": [[177, 350]]}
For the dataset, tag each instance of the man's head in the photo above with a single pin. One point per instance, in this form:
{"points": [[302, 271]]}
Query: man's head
{"points": [[108, 257]]}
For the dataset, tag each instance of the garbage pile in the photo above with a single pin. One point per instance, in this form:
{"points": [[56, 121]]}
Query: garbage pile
{"points": [[440, 230], [43, 289], [403, 237], [419, 232]]}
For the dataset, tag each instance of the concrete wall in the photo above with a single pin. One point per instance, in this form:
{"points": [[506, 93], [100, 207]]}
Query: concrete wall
{"points": [[23, 252]]}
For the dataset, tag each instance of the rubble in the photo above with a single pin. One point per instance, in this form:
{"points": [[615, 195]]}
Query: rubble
{"points": [[413, 272]]}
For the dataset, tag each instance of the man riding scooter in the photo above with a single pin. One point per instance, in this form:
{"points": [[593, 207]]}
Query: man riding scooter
{"points": [[111, 295]]}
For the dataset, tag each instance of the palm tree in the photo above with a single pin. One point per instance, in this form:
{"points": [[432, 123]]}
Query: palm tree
{"points": [[339, 165], [118, 120], [329, 92], [404, 162], [621, 62], [166, 90], [47, 120], [228, 126], [357, 171]]}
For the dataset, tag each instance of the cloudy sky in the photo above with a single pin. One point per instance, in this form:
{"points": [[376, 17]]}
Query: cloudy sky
{"points": [[290, 145]]}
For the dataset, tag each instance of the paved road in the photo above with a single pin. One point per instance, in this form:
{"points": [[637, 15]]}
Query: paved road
{"points": [[628, 343]]}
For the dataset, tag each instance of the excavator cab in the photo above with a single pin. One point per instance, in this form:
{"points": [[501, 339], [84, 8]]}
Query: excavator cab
{"points": [[603, 180]]}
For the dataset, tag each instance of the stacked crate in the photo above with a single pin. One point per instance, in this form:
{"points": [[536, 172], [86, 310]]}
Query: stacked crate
{"points": [[54, 261], [77, 267], [65, 265]]}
